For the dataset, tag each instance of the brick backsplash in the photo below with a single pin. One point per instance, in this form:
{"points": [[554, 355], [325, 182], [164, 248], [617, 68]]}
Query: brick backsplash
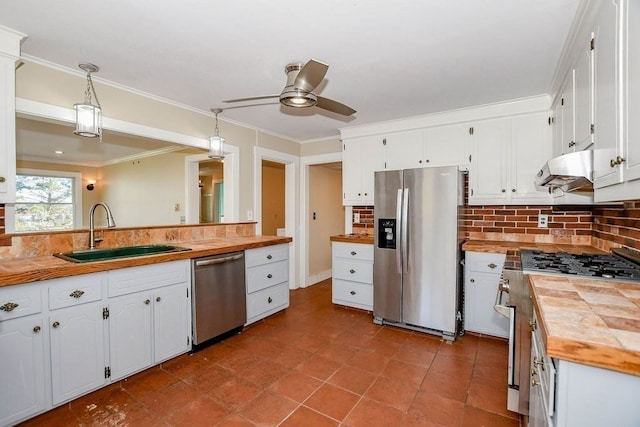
{"points": [[4, 240], [365, 225], [615, 226]]}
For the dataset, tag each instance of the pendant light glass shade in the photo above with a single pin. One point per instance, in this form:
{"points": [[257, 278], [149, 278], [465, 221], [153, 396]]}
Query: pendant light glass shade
{"points": [[89, 116], [88, 120], [216, 142]]}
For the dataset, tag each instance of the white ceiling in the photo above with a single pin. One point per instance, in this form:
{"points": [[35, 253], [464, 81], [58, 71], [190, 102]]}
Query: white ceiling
{"points": [[387, 59]]}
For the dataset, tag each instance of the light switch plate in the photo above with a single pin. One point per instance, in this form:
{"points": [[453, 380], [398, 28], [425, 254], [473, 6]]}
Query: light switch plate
{"points": [[543, 221]]}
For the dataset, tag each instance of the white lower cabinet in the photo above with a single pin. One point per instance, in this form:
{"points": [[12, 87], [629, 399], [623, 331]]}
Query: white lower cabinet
{"points": [[352, 275], [267, 281], [62, 338], [22, 371], [482, 274]]}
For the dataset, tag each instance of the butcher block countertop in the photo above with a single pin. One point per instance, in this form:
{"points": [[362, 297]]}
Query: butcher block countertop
{"points": [[593, 322], [505, 246], [353, 238], [33, 269]]}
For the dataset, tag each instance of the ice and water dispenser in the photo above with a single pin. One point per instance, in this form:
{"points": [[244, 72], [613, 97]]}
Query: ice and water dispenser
{"points": [[387, 233]]}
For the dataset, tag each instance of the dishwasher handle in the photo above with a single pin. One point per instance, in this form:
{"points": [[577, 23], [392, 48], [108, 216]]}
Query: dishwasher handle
{"points": [[204, 262]]}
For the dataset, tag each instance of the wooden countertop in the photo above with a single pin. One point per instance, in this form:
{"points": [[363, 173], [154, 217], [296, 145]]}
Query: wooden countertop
{"points": [[505, 246], [593, 322], [353, 238], [33, 269]]}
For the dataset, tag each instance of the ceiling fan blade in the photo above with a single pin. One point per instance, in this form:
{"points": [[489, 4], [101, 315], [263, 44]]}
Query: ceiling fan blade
{"points": [[334, 106], [311, 75], [253, 98]]}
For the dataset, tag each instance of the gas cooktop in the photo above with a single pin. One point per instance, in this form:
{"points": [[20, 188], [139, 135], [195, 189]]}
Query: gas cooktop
{"points": [[609, 266]]}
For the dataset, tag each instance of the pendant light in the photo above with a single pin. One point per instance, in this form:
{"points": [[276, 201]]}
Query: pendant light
{"points": [[216, 142], [89, 116]]}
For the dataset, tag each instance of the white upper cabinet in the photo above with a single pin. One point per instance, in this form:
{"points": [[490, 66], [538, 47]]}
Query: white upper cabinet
{"points": [[567, 100], [361, 158], [488, 172], [448, 145], [583, 98], [405, 150]]}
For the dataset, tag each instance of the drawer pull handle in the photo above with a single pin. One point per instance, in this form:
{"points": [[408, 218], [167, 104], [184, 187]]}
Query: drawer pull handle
{"points": [[147, 301], [473, 280], [36, 329], [269, 300], [534, 383], [352, 292], [10, 306], [492, 265], [269, 256], [56, 324], [354, 253], [533, 324], [352, 271], [537, 362], [269, 276], [76, 294], [158, 299]]}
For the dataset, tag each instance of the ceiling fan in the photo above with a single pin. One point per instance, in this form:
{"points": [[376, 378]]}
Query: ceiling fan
{"points": [[298, 92]]}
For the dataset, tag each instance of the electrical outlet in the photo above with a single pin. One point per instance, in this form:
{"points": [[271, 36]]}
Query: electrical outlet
{"points": [[543, 221], [249, 215], [356, 218]]}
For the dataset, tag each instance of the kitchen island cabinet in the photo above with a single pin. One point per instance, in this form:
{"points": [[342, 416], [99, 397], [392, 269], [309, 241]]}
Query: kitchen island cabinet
{"points": [[23, 381], [352, 275]]}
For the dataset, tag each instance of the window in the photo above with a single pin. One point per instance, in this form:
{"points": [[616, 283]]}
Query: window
{"points": [[46, 200]]}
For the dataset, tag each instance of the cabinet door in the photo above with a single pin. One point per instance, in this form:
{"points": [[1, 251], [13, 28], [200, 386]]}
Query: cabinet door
{"points": [[77, 350], [372, 161], [480, 296], [605, 100], [22, 369], [130, 334], [8, 129], [530, 149], [404, 150], [556, 123], [448, 145], [631, 94], [568, 114], [171, 321], [487, 177], [583, 98], [351, 171]]}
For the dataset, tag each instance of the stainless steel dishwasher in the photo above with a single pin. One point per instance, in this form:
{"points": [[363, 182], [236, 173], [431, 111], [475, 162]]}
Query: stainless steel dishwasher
{"points": [[218, 297]]}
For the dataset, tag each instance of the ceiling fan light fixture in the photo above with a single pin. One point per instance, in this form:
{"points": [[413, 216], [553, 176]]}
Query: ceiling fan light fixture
{"points": [[297, 98], [216, 142], [89, 116]]}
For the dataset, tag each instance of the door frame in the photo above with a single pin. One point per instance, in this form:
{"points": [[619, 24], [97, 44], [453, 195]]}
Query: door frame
{"points": [[305, 163], [291, 179]]}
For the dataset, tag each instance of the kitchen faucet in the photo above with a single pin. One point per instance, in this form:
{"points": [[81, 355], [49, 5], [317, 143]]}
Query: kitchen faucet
{"points": [[110, 222]]}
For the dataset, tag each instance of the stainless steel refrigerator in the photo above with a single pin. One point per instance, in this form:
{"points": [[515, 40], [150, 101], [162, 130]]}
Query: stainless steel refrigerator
{"points": [[417, 272]]}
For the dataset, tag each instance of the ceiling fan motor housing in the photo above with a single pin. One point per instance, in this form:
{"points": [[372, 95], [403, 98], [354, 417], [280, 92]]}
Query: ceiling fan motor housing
{"points": [[292, 96]]}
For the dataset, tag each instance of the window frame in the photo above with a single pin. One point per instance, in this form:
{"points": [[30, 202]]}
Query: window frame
{"points": [[76, 197]]}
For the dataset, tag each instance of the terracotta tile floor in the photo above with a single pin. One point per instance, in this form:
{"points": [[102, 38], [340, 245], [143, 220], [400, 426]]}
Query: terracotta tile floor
{"points": [[315, 364]]}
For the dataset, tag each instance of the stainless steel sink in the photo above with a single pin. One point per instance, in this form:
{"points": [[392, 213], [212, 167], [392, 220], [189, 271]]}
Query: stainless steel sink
{"points": [[93, 255]]}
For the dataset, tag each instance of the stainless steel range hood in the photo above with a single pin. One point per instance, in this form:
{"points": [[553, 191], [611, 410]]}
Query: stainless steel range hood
{"points": [[569, 172]]}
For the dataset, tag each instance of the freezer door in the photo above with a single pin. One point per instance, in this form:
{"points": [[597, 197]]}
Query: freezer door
{"points": [[431, 258], [387, 278]]}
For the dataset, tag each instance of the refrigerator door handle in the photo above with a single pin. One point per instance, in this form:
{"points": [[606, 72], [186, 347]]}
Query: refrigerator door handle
{"points": [[404, 242], [399, 224]]}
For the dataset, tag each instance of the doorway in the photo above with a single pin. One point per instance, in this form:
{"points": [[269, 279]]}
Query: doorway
{"points": [[211, 184], [273, 198]]}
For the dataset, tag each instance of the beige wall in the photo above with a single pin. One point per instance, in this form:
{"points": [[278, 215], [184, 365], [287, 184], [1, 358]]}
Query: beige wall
{"points": [[273, 215], [326, 146], [325, 199]]}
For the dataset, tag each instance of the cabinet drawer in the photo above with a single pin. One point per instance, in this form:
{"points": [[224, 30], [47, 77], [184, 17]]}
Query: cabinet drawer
{"points": [[352, 293], [353, 251], [136, 279], [266, 300], [260, 256], [20, 300], [75, 290], [485, 262], [354, 270], [263, 276]]}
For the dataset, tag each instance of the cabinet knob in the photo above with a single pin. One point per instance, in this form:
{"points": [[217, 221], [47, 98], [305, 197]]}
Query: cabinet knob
{"points": [[513, 190], [473, 280], [492, 265], [269, 276], [158, 299], [352, 271], [10, 306], [147, 301], [77, 293], [419, 161], [354, 253], [534, 383], [359, 194], [427, 160], [269, 300], [352, 292], [504, 191], [2, 179], [617, 161], [366, 194], [56, 324], [36, 329], [269, 256], [572, 143]]}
